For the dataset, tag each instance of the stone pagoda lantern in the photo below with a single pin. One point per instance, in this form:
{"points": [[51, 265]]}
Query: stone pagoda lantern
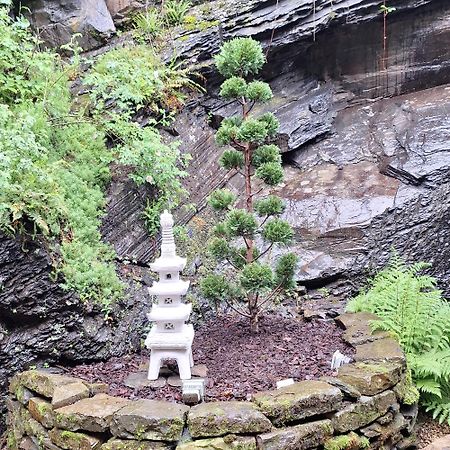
{"points": [[170, 337]]}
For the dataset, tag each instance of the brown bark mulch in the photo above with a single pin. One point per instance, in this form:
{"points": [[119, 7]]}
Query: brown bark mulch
{"points": [[238, 363]]}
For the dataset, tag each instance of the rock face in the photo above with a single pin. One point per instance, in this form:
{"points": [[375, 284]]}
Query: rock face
{"points": [[365, 144], [59, 20], [40, 322], [363, 173]]}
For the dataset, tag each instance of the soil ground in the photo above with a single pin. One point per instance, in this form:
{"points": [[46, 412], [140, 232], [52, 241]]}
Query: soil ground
{"points": [[238, 363]]}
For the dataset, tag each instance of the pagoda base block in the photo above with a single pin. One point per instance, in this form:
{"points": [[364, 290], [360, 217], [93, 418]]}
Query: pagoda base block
{"points": [[176, 346]]}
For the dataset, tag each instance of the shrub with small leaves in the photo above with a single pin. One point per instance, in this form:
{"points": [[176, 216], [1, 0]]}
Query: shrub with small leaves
{"points": [[221, 199], [269, 206], [271, 173], [232, 159], [278, 231], [240, 234]]}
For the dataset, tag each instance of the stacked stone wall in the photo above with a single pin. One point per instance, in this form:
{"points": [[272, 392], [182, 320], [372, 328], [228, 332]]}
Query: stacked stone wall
{"points": [[361, 407]]}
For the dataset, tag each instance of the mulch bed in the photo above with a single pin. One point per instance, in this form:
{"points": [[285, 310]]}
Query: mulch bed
{"points": [[238, 363], [428, 430]]}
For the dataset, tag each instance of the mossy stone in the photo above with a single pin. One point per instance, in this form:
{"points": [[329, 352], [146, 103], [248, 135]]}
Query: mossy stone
{"points": [[221, 418], [42, 411], [371, 378], [229, 442], [69, 440], [363, 412], [150, 419], [298, 401], [298, 437], [131, 444]]}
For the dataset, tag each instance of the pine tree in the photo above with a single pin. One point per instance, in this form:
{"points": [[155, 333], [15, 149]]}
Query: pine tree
{"points": [[244, 236]]}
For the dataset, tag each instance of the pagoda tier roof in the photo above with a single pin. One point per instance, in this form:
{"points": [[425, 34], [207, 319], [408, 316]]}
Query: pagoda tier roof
{"points": [[169, 287], [183, 339], [160, 313], [168, 264]]}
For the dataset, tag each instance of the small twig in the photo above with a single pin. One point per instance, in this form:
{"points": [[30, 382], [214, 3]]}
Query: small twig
{"points": [[264, 252]]}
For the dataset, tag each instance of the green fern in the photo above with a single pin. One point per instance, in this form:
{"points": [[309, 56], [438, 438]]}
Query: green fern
{"points": [[412, 309]]}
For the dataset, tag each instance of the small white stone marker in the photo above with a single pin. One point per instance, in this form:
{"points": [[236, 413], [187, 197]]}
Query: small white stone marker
{"points": [[193, 390], [284, 383], [170, 337], [339, 360]]}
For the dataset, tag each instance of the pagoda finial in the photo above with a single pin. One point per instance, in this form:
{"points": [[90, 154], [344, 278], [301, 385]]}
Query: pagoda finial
{"points": [[168, 241]]}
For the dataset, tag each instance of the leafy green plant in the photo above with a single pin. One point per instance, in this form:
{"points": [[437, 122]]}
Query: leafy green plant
{"points": [[412, 309], [175, 11], [148, 24], [54, 164], [53, 153], [125, 82], [247, 279]]}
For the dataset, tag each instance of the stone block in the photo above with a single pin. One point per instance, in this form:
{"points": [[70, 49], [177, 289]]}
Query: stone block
{"points": [[298, 401], [361, 334], [348, 320], [28, 444], [221, 418], [380, 350], [14, 422], [97, 388], [230, 442], [23, 394], [150, 419], [371, 379], [42, 411], [69, 440], [131, 444], [365, 411], [299, 437], [374, 430], [139, 380], [69, 393], [44, 383], [350, 441], [90, 414], [348, 390]]}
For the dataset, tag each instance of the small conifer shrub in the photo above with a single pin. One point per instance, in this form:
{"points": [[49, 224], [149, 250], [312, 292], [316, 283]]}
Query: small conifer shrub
{"points": [[245, 235]]}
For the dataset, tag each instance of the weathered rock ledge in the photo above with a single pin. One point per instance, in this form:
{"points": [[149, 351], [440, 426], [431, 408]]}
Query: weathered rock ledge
{"points": [[363, 403]]}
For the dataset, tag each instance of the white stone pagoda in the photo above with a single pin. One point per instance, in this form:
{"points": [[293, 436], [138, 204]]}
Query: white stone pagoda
{"points": [[170, 337]]}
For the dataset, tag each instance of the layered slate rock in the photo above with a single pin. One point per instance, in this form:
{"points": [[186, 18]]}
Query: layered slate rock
{"points": [[57, 21], [220, 418], [69, 393], [226, 443], [349, 391], [150, 419], [394, 427], [299, 437], [371, 379], [365, 411], [43, 383], [92, 414], [380, 350], [298, 401]]}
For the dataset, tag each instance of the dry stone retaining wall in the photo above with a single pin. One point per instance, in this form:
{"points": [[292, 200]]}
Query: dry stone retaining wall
{"points": [[361, 407]]}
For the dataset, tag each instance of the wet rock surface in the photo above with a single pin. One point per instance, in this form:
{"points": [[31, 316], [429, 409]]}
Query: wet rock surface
{"points": [[221, 418], [374, 170], [42, 323], [298, 401]]}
